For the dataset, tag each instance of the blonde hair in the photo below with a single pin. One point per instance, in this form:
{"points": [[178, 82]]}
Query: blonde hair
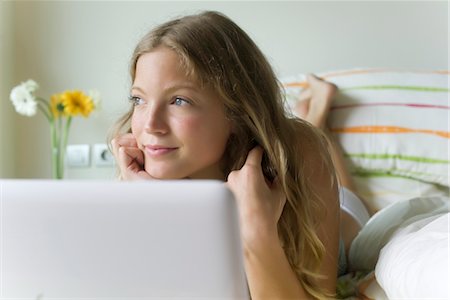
{"points": [[222, 57]]}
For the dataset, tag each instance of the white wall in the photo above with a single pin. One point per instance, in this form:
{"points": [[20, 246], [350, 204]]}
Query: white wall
{"points": [[6, 81], [67, 45]]}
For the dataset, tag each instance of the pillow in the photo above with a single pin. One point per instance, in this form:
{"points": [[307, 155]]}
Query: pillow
{"points": [[378, 192], [414, 264], [390, 124], [382, 227]]}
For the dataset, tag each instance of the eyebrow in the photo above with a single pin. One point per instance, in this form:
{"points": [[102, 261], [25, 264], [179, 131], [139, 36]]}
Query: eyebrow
{"points": [[137, 89], [176, 86]]}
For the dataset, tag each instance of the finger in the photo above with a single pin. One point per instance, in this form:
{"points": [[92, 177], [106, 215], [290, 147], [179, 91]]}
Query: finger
{"points": [[278, 193], [254, 157], [133, 155], [276, 186], [124, 140], [127, 140], [130, 159]]}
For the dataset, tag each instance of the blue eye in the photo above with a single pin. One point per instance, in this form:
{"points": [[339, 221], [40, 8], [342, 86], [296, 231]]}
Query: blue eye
{"points": [[136, 100], [180, 101]]}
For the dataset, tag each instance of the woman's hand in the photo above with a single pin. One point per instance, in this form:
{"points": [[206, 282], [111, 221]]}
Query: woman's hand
{"points": [[260, 203], [129, 157]]}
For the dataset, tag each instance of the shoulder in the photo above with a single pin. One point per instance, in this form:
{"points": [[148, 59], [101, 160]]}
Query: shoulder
{"points": [[314, 151], [312, 145]]}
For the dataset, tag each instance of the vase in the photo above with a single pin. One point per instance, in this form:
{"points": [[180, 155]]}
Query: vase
{"points": [[59, 133], [58, 163]]}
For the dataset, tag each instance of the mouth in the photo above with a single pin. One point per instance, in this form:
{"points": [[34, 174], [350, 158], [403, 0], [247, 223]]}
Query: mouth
{"points": [[157, 150]]}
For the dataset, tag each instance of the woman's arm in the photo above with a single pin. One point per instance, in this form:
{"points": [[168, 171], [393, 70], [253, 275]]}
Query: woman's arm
{"points": [[324, 184], [269, 273]]}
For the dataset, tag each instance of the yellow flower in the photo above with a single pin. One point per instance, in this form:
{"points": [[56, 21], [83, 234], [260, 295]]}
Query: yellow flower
{"points": [[57, 106], [77, 103]]}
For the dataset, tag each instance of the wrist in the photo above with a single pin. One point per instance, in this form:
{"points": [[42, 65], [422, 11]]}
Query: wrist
{"points": [[260, 239]]}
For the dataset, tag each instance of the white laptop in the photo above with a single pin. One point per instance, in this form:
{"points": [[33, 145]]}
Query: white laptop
{"points": [[119, 240]]}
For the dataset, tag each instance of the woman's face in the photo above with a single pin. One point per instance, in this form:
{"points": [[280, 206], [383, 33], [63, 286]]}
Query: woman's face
{"points": [[180, 127]]}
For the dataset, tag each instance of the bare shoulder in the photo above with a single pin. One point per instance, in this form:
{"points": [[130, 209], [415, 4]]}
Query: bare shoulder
{"points": [[313, 145], [318, 169]]}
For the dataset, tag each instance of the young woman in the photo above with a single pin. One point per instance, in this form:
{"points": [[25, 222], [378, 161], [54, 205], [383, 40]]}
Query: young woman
{"points": [[206, 105]]}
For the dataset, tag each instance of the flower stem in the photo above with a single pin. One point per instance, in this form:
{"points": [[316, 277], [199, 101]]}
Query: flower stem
{"points": [[41, 100], [60, 162], [45, 108], [54, 143], [45, 112], [63, 143]]}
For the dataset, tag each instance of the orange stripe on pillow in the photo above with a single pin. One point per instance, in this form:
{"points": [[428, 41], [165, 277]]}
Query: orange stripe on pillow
{"points": [[368, 71], [304, 84], [389, 129], [415, 105]]}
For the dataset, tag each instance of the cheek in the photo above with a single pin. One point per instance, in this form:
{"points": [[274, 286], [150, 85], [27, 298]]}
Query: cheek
{"points": [[188, 127], [206, 132], [136, 123]]}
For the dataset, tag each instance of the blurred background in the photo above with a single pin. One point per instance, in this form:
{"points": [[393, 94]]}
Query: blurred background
{"points": [[66, 45]]}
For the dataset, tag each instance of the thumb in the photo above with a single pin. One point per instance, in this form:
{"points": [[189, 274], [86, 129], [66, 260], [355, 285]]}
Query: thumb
{"points": [[254, 157]]}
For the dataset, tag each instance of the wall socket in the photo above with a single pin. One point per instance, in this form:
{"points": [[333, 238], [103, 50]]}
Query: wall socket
{"points": [[102, 157], [78, 156]]}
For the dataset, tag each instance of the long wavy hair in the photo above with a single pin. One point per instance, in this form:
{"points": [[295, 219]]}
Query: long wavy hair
{"points": [[221, 56]]}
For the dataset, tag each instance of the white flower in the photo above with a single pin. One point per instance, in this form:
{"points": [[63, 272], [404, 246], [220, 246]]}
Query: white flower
{"points": [[30, 85], [23, 99]]}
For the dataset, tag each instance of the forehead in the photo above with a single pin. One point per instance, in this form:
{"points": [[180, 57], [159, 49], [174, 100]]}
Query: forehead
{"points": [[165, 63], [159, 60], [164, 69]]}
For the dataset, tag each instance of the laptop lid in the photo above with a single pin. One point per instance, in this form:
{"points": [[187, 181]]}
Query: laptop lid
{"points": [[121, 240]]}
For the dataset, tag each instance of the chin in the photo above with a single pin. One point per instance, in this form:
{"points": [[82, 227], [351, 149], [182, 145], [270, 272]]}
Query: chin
{"points": [[174, 172], [164, 174]]}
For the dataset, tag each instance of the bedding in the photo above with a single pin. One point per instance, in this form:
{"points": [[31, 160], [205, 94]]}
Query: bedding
{"points": [[401, 253], [384, 225], [415, 262], [393, 128]]}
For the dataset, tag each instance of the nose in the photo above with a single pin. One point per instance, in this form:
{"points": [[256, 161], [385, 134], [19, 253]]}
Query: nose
{"points": [[155, 121]]}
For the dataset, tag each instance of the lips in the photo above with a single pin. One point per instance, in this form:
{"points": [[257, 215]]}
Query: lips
{"points": [[159, 150]]}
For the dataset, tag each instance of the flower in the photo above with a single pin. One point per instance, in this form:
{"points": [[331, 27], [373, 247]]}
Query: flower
{"points": [[77, 103], [57, 106], [23, 99], [58, 111]]}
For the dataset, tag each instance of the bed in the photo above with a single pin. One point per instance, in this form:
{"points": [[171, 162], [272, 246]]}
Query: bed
{"points": [[393, 129]]}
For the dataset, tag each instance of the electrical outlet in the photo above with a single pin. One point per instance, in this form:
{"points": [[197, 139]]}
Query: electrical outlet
{"points": [[102, 156], [77, 155]]}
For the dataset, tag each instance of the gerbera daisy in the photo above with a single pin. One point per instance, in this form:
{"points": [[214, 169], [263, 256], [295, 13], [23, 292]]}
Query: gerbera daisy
{"points": [[57, 106], [77, 103], [23, 99]]}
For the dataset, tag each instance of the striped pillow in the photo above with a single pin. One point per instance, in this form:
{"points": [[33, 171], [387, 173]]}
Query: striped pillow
{"points": [[391, 124]]}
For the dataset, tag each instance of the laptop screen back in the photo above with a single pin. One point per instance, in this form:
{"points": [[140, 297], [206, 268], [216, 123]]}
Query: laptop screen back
{"points": [[123, 240]]}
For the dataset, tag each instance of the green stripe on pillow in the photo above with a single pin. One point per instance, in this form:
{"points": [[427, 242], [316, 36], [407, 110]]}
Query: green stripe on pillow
{"points": [[420, 176], [398, 156], [395, 87]]}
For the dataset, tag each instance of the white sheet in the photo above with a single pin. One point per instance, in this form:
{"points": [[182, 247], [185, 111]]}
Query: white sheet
{"points": [[415, 263], [382, 227]]}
